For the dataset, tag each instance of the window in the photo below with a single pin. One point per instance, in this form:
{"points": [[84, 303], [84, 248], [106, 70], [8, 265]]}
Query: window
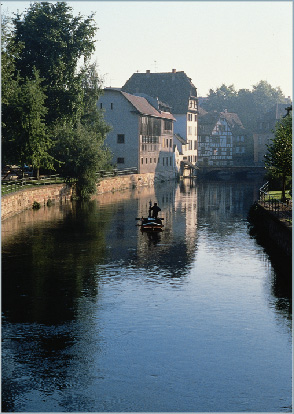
{"points": [[195, 145], [120, 138], [120, 161], [111, 106], [142, 161], [168, 125], [195, 119], [171, 143], [190, 117]]}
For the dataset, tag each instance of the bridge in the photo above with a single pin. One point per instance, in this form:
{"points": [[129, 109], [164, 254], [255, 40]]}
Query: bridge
{"points": [[231, 170]]}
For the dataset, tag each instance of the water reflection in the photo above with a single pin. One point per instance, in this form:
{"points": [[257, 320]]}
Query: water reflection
{"points": [[98, 316], [46, 267]]}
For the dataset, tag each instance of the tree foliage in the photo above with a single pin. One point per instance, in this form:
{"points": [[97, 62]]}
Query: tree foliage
{"points": [[24, 133], [279, 156], [54, 42], [249, 105], [50, 117]]}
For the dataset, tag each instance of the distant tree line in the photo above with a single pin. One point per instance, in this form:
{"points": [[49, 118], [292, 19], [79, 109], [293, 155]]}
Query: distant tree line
{"points": [[50, 90], [250, 105]]}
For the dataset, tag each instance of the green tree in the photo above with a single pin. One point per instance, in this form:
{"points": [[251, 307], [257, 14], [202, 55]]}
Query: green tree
{"points": [[279, 156], [80, 147], [220, 99], [55, 42], [9, 51], [24, 132], [249, 105], [81, 153], [53, 57]]}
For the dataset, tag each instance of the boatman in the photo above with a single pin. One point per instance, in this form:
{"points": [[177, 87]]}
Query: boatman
{"points": [[155, 210]]}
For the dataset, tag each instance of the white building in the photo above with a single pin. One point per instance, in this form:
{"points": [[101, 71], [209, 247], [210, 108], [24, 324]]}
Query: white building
{"points": [[177, 90], [141, 135]]}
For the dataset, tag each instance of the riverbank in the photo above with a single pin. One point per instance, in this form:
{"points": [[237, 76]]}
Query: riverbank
{"points": [[273, 228], [19, 201]]}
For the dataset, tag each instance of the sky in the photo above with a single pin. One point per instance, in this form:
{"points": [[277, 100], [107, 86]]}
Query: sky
{"points": [[214, 42]]}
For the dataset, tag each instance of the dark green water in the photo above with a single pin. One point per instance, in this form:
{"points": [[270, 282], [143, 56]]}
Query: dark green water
{"points": [[98, 317]]}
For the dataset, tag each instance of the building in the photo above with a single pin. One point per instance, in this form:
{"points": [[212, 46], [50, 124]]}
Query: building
{"points": [[222, 139], [177, 90], [141, 135], [264, 132]]}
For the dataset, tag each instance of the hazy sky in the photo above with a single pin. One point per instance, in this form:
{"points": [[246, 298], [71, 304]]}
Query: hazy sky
{"points": [[214, 42]]}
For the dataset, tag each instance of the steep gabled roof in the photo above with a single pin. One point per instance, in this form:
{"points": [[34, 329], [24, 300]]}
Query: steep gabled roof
{"points": [[144, 107], [233, 119], [174, 88], [201, 111], [208, 121]]}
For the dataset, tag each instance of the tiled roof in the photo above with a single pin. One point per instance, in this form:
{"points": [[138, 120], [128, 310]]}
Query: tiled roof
{"points": [[232, 118], [143, 106], [180, 139], [174, 88], [201, 111], [208, 121]]}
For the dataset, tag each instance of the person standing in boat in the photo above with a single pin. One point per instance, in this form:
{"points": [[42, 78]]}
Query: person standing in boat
{"points": [[155, 210]]}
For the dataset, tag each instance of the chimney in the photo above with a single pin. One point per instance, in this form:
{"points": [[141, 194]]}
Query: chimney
{"points": [[148, 71], [174, 70]]}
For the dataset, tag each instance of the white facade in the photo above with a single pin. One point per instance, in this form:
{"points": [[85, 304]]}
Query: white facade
{"points": [[187, 127], [123, 139], [141, 137]]}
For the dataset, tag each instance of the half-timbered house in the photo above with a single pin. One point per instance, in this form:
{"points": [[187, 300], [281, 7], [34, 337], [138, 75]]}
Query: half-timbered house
{"points": [[222, 139]]}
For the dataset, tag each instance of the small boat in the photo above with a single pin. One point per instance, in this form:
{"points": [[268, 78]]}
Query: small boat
{"points": [[150, 223]]}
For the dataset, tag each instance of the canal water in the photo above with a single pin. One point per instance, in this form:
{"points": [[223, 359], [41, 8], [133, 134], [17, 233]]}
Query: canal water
{"points": [[99, 317]]}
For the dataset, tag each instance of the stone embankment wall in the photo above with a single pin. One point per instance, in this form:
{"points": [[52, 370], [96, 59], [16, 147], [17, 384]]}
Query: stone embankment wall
{"points": [[124, 182], [279, 232], [14, 203], [19, 201]]}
